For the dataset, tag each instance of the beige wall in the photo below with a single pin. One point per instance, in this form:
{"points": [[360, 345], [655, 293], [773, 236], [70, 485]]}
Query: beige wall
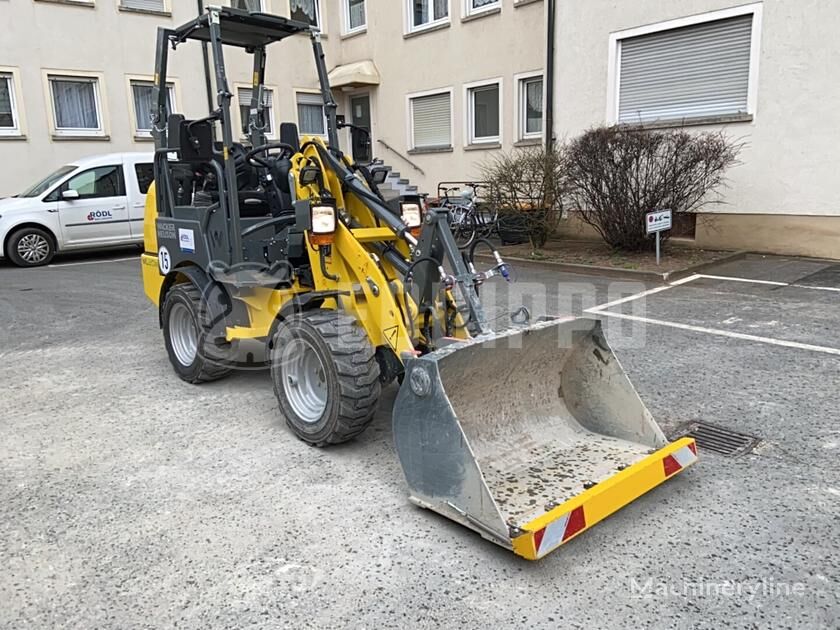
{"points": [[103, 39], [793, 148]]}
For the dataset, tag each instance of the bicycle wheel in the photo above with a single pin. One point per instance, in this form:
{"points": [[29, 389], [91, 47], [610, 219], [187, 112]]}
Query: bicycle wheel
{"points": [[464, 231]]}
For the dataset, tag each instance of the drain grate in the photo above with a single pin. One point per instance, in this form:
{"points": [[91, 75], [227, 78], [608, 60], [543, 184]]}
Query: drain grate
{"points": [[719, 439]]}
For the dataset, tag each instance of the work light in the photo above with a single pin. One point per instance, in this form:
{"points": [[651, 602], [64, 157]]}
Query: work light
{"points": [[412, 215], [323, 220]]}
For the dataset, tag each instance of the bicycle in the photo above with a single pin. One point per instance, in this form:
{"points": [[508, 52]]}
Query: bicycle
{"points": [[468, 219]]}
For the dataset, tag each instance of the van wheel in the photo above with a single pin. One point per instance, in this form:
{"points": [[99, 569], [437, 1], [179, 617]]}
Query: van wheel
{"points": [[326, 377], [193, 353], [30, 247]]}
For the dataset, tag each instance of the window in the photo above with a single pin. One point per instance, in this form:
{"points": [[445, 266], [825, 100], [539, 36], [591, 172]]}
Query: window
{"points": [[142, 98], [9, 123], [158, 6], [697, 68], [355, 18], [244, 96], [530, 107], [95, 183], [484, 112], [306, 11], [474, 7], [145, 173], [257, 6], [426, 13], [431, 121], [76, 105], [311, 119]]}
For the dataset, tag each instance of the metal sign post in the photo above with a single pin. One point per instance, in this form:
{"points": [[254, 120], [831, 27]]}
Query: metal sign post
{"points": [[656, 223]]}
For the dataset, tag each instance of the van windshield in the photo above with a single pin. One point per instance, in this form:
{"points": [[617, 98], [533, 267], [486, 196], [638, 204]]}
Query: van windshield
{"points": [[48, 182]]}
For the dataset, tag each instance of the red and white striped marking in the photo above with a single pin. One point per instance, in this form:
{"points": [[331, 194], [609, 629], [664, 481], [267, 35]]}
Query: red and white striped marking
{"points": [[557, 532], [680, 459]]}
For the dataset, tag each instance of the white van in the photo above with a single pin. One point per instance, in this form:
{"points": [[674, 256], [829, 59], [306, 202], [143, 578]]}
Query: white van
{"points": [[95, 202]]}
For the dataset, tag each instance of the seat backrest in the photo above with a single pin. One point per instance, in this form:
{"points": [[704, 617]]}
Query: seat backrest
{"points": [[289, 134]]}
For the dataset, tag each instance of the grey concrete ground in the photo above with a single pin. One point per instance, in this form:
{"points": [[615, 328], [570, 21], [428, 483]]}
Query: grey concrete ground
{"points": [[129, 499]]}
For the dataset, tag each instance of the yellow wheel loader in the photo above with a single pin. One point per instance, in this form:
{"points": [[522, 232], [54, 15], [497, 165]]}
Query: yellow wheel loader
{"points": [[528, 436]]}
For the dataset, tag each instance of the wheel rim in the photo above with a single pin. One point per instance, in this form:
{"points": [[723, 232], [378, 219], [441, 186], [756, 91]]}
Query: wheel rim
{"points": [[33, 248], [183, 334], [304, 380]]}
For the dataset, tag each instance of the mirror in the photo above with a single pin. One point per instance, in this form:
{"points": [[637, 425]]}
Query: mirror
{"points": [[379, 175], [70, 195]]}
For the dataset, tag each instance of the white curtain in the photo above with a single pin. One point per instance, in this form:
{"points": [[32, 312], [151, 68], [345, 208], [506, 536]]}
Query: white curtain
{"points": [[357, 13], [75, 104], [7, 118], [304, 11], [534, 106], [143, 105], [311, 114]]}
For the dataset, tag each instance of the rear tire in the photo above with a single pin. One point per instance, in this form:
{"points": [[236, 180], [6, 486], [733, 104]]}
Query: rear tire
{"points": [[30, 247], [195, 356], [325, 375]]}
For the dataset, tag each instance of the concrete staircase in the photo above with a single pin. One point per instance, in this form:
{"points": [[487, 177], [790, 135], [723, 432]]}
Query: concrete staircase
{"points": [[396, 185]]}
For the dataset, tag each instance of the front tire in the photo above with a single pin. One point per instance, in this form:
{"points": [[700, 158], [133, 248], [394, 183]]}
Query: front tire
{"points": [[195, 356], [30, 247], [325, 375]]}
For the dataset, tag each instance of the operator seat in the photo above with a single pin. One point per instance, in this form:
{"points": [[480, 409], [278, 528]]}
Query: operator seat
{"points": [[283, 166]]}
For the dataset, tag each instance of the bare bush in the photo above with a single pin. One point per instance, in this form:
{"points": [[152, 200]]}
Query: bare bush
{"points": [[618, 174], [528, 186]]}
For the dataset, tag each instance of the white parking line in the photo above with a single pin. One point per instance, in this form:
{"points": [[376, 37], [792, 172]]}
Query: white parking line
{"points": [[768, 282], [93, 262], [726, 333], [638, 296]]}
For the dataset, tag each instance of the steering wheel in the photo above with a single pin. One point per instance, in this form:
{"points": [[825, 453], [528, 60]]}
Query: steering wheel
{"points": [[284, 151]]}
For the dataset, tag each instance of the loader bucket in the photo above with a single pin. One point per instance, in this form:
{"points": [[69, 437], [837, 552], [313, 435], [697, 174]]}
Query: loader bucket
{"points": [[530, 436]]}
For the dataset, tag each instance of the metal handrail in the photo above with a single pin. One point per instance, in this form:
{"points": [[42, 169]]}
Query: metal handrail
{"points": [[392, 149]]}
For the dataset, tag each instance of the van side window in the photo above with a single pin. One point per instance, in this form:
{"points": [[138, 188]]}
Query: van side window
{"points": [[145, 176], [102, 181]]}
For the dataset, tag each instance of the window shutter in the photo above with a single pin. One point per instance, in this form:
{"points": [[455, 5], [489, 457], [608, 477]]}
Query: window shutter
{"points": [[144, 5], [691, 72], [245, 95], [432, 120]]}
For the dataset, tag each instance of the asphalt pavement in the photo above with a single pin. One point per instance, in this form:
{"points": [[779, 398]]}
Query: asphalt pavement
{"points": [[129, 499]]}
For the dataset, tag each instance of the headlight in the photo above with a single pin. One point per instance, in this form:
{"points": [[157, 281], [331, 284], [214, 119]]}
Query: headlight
{"points": [[412, 216], [323, 219]]}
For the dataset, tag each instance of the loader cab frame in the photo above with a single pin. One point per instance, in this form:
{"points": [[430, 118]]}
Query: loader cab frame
{"points": [[227, 187]]}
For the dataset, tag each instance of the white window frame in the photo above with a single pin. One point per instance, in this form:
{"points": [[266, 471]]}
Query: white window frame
{"points": [[319, 14], [469, 140], [614, 77], [166, 10], [18, 112], [346, 30], [519, 108], [98, 80], [271, 114], [409, 110], [172, 84], [469, 10], [408, 9], [297, 117]]}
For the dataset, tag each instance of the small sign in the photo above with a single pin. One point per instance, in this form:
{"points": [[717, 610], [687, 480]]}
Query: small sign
{"points": [[658, 221]]}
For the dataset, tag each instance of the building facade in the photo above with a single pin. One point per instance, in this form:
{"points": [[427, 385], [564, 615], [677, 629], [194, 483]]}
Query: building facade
{"points": [[442, 84], [445, 85], [761, 72]]}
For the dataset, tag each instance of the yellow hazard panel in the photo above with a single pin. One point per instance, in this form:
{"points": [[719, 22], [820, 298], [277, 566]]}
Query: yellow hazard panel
{"points": [[560, 525]]}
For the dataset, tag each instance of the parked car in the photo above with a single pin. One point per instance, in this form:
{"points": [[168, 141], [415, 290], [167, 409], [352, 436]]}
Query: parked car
{"points": [[93, 203]]}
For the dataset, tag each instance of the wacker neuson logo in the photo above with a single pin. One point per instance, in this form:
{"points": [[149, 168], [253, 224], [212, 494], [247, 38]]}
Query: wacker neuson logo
{"points": [[747, 590]]}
